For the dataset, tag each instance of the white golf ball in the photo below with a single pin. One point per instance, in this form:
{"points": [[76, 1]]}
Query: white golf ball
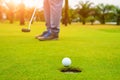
{"points": [[66, 61]]}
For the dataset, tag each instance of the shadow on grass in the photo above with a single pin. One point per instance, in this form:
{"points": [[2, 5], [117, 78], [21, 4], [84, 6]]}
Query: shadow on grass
{"points": [[70, 70]]}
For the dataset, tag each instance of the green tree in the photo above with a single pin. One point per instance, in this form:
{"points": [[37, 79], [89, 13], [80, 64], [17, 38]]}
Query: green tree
{"points": [[117, 14], [0, 10], [39, 15], [65, 13], [22, 13], [73, 16], [84, 10], [102, 12], [11, 9]]}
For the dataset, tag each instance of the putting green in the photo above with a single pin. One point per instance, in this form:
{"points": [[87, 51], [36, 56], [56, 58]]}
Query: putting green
{"points": [[94, 49]]}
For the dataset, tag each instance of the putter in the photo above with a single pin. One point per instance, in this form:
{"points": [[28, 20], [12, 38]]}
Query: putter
{"points": [[30, 22]]}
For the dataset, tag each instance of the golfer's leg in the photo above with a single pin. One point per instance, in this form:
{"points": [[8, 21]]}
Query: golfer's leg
{"points": [[47, 13], [55, 14]]}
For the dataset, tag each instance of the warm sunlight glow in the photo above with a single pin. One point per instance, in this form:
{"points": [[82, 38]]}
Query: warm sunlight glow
{"points": [[17, 1], [28, 3]]}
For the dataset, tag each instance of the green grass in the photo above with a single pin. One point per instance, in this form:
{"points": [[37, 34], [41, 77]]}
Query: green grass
{"points": [[94, 49]]}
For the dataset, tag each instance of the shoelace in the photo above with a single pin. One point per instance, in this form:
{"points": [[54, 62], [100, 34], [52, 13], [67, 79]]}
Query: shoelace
{"points": [[47, 34]]}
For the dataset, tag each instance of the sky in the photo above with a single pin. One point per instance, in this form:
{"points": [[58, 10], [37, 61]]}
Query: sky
{"points": [[72, 3]]}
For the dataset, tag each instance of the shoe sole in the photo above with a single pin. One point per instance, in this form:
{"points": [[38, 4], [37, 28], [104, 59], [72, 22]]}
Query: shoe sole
{"points": [[48, 39]]}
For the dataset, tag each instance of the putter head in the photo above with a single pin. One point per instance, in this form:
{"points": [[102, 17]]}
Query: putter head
{"points": [[25, 30]]}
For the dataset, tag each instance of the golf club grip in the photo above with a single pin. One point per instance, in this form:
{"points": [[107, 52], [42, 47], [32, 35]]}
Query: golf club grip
{"points": [[32, 17]]}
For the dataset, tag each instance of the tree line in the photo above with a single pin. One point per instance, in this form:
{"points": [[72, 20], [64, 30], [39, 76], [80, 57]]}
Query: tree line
{"points": [[88, 12], [12, 12], [84, 12]]}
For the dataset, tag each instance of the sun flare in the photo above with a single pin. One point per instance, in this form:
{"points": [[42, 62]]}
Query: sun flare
{"points": [[28, 3]]}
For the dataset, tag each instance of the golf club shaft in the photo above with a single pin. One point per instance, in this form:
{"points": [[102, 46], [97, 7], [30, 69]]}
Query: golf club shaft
{"points": [[30, 22]]}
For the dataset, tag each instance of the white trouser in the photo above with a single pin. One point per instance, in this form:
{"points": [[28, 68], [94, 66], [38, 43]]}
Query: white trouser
{"points": [[52, 13]]}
